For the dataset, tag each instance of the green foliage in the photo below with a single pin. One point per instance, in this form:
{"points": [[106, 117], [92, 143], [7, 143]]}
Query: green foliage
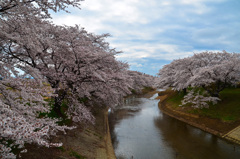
{"points": [[144, 90], [228, 109], [14, 149], [83, 100], [197, 90], [52, 114], [134, 91], [61, 148], [76, 155], [147, 89], [176, 98]]}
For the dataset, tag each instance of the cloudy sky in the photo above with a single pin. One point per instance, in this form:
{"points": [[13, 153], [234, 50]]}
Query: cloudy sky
{"points": [[152, 33]]}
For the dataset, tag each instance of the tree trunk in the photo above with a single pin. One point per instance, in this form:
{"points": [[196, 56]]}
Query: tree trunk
{"points": [[58, 101], [185, 91], [215, 94], [57, 107]]}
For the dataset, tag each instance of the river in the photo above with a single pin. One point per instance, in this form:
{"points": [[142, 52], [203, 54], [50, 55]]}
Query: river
{"points": [[139, 130]]}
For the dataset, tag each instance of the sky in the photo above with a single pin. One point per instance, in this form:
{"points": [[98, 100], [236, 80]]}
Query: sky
{"points": [[152, 33]]}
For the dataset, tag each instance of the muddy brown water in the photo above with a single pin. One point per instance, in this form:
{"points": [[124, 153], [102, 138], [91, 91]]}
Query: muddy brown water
{"points": [[139, 130]]}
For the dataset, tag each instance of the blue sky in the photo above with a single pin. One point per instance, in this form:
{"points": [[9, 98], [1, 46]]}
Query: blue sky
{"points": [[152, 33]]}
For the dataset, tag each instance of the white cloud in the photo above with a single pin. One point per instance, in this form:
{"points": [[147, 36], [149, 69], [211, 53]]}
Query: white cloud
{"points": [[135, 64], [160, 51], [117, 10], [159, 29]]}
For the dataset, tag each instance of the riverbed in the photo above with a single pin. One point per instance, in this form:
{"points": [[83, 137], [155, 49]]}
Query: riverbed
{"points": [[140, 130]]}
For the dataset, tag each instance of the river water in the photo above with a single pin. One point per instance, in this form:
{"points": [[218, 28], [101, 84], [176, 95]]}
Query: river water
{"points": [[139, 130]]}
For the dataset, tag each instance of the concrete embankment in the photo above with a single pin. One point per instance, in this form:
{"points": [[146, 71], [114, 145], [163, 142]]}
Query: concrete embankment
{"points": [[233, 135], [106, 152]]}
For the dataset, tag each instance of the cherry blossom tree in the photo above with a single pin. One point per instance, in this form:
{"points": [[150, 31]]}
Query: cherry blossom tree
{"points": [[216, 71], [140, 80], [80, 68], [21, 101], [73, 61], [199, 100], [209, 71], [16, 7]]}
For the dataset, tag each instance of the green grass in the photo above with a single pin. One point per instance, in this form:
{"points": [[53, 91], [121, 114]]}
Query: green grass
{"points": [[76, 155], [175, 98], [61, 148], [228, 109]]}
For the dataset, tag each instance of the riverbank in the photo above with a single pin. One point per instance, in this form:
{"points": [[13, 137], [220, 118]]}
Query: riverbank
{"points": [[84, 142], [91, 142], [210, 125]]}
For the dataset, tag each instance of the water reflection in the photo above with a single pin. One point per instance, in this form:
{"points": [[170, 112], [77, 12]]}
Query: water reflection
{"points": [[140, 130], [189, 142]]}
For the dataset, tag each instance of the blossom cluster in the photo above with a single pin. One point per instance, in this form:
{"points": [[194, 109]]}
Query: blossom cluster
{"points": [[209, 71]]}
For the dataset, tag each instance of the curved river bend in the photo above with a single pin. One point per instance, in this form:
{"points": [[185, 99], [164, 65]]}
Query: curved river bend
{"points": [[139, 130]]}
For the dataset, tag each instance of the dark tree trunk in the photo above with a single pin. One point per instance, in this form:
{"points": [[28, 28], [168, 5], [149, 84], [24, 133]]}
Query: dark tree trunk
{"points": [[185, 91], [215, 94], [57, 107], [58, 101], [214, 90]]}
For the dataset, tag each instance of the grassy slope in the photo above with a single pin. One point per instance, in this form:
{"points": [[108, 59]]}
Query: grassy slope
{"points": [[228, 109], [88, 142]]}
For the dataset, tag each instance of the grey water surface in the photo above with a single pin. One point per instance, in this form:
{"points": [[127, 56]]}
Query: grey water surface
{"points": [[139, 130]]}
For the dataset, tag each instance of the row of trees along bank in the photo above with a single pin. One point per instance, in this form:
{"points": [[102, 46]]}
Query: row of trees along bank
{"points": [[51, 73], [202, 76]]}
